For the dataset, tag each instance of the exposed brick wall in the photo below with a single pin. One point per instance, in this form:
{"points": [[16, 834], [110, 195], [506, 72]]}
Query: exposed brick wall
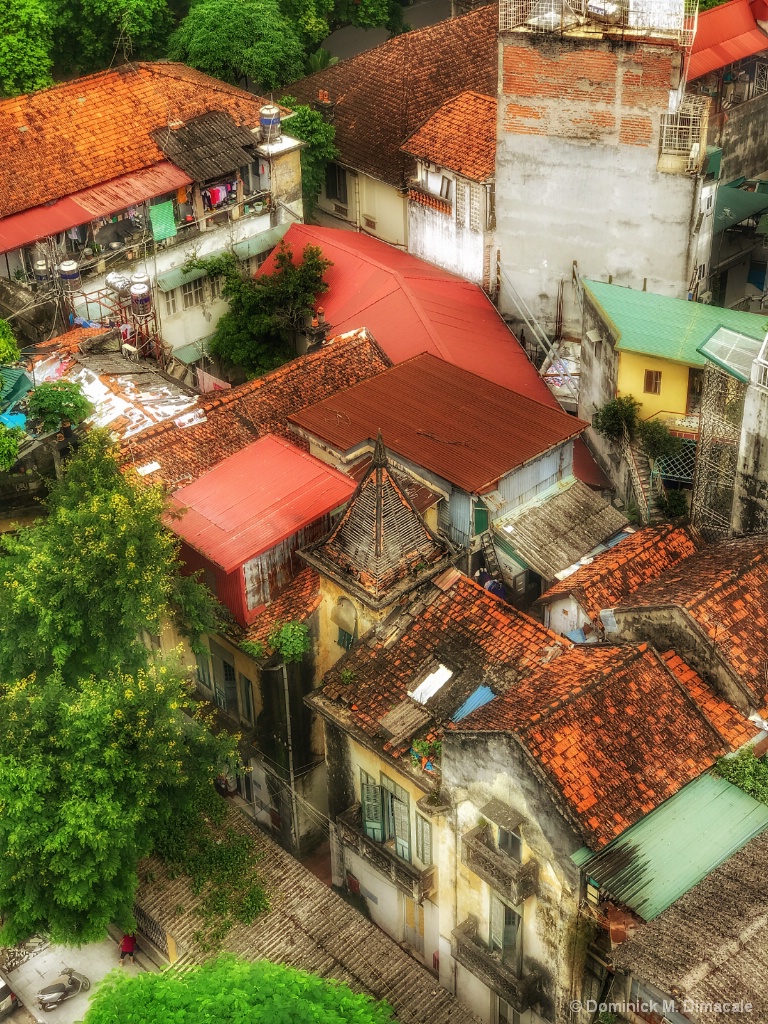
{"points": [[585, 89]]}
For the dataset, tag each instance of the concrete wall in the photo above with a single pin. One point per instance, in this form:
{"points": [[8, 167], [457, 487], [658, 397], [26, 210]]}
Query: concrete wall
{"points": [[373, 207], [448, 239], [750, 495], [477, 768], [743, 136], [576, 170]]}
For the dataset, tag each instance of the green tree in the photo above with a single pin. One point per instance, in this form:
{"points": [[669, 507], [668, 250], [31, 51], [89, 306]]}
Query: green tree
{"points": [[91, 33], [319, 60], [264, 313], [78, 586], [238, 40], [746, 771], [26, 46], [310, 126], [89, 775], [656, 440], [57, 400], [234, 991], [10, 439], [615, 415], [9, 349]]}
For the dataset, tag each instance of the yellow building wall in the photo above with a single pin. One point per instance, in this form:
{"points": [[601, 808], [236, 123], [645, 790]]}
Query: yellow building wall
{"points": [[372, 206], [674, 383]]}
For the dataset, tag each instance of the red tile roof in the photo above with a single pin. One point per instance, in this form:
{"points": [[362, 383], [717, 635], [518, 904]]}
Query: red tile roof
{"points": [[255, 499], [459, 426], [461, 136], [482, 639], [236, 418], [384, 94], [93, 129], [69, 343], [725, 34], [296, 604], [614, 731], [639, 559], [411, 306], [724, 589]]}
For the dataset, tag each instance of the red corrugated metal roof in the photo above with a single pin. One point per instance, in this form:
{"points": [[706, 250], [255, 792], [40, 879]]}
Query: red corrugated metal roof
{"points": [[462, 427], [255, 499], [725, 34], [83, 206]]}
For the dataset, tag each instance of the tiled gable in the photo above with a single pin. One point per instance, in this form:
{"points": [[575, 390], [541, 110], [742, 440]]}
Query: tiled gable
{"points": [[236, 418], [93, 129], [639, 559], [296, 604], [461, 136], [614, 732]]}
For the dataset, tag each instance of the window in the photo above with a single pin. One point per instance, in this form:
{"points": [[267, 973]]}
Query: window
{"points": [[224, 679], [423, 840], [204, 671], [345, 639], [370, 800], [246, 701], [490, 207], [521, 583], [505, 926], [652, 384], [344, 615], [215, 286], [445, 188], [170, 302], [506, 1014], [510, 843], [192, 293], [386, 813], [336, 183]]}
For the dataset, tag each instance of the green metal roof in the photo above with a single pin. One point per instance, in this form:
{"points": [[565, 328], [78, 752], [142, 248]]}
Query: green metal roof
{"points": [[733, 205], [657, 860], [260, 243], [14, 384], [177, 277], [192, 351], [657, 325]]}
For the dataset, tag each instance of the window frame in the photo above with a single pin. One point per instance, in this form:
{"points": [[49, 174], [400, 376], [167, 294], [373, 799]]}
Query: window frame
{"points": [[171, 304], [445, 188], [245, 697], [652, 377], [510, 953], [424, 849], [193, 293], [397, 816], [336, 183], [502, 843]]}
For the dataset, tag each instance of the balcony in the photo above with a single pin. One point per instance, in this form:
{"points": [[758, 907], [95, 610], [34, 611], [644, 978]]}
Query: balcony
{"points": [[510, 879], [414, 883], [488, 967]]}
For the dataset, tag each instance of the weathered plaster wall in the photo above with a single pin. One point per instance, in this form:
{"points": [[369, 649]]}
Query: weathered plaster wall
{"points": [[576, 170], [443, 239], [372, 206], [750, 496], [742, 132]]}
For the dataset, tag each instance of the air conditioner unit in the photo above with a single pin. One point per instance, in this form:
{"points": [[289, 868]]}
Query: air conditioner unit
{"points": [[705, 298]]}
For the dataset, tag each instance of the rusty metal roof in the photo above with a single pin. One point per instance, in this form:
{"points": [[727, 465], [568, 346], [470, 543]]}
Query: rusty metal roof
{"points": [[461, 427], [207, 146]]}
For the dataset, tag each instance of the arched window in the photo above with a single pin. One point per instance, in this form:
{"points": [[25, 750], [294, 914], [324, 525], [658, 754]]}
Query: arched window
{"points": [[344, 615]]}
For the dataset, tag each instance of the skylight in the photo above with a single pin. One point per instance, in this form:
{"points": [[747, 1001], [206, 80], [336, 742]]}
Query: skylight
{"points": [[429, 687]]}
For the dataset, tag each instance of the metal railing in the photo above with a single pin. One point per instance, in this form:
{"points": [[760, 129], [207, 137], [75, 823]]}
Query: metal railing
{"points": [[468, 949], [628, 454], [419, 885]]}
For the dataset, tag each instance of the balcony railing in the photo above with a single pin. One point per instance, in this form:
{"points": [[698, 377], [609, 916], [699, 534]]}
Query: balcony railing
{"points": [[419, 885], [420, 195], [510, 879], [487, 966]]}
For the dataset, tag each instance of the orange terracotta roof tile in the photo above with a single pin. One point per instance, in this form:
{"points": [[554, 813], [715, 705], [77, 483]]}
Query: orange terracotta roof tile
{"points": [[724, 590], [639, 559], [294, 605], [480, 638], [236, 418], [734, 727], [460, 135], [68, 343], [615, 731], [93, 129]]}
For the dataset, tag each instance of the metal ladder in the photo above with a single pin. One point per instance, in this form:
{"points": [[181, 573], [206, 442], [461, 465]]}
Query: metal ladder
{"points": [[489, 551]]}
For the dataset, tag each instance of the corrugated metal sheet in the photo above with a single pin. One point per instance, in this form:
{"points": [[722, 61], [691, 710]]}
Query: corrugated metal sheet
{"points": [[670, 850], [267, 575], [460, 507], [255, 499], [723, 35], [175, 278], [459, 426], [528, 481], [262, 242], [82, 207], [481, 696], [208, 146]]}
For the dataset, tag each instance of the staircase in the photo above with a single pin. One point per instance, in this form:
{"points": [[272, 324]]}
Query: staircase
{"points": [[649, 490], [489, 552]]}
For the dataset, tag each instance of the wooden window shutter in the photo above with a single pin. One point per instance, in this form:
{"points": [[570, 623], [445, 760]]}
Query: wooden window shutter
{"points": [[402, 828], [497, 923], [423, 840], [373, 819]]}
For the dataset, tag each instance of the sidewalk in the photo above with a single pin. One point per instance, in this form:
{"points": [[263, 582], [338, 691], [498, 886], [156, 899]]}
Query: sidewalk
{"points": [[94, 960]]}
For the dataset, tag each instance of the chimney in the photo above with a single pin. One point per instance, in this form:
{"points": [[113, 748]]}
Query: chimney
{"points": [[317, 332], [324, 105]]}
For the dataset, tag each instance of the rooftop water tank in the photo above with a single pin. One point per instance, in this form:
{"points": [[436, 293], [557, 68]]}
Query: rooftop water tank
{"points": [[140, 277], [42, 273], [269, 120], [141, 299], [118, 283], [69, 272]]}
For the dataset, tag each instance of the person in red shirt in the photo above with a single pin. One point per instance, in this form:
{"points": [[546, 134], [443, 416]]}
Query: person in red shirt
{"points": [[128, 948]]}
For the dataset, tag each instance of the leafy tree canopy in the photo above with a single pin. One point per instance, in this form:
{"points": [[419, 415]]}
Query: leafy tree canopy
{"points": [[9, 349], [10, 439], [240, 992], [310, 126], [26, 45], [746, 771], [238, 40], [57, 400], [256, 331], [79, 585], [615, 415], [91, 33], [89, 775]]}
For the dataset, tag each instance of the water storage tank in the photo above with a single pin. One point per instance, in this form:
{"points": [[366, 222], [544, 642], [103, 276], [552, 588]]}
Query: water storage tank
{"points": [[141, 299], [140, 277], [269, 120], [118, 283], [42, 274], [69, 272]]}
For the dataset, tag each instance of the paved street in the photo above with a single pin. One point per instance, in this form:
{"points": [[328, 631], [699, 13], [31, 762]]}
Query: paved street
{"points": [[346, 42], [94, 960]]}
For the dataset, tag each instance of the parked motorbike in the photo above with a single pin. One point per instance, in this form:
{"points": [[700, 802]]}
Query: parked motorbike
{"points": [[69, 983]]}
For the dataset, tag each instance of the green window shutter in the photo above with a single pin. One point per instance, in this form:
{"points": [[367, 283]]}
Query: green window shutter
{"points": [[497, 923], [373, 819], [230, 687], [402, 828], [423, 840], [245, 692]]}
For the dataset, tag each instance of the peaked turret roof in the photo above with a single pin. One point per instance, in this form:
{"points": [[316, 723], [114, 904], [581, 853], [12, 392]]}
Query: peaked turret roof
{"points": [[380, 547]]}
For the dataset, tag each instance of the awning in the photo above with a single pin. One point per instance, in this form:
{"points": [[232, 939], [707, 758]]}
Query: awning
{"points": [[262, 242], [175, 278], [82, 207], [733, 205], [14, 384], [193, 351], [724, 35]]}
